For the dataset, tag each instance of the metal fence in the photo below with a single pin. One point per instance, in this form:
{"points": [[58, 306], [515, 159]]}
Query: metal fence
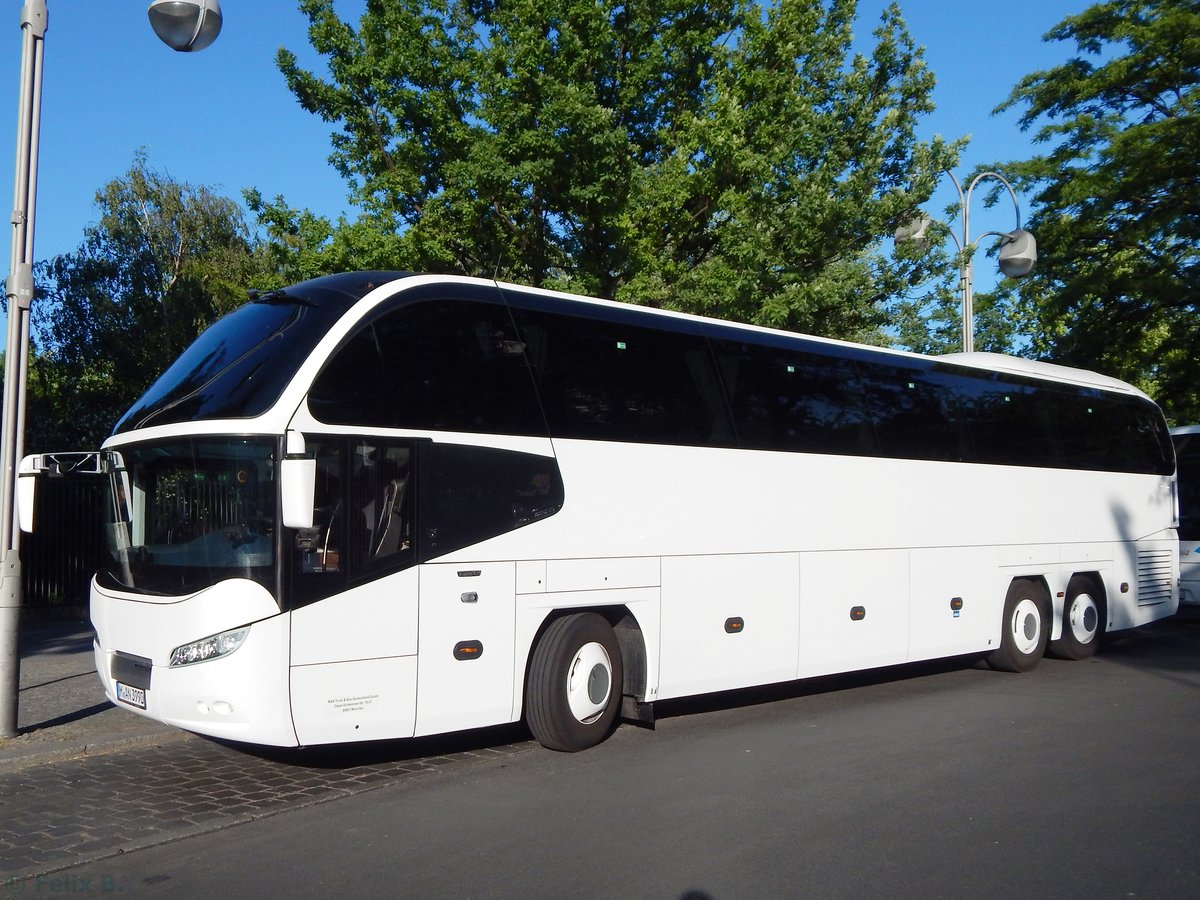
{"points": [[59, 558]]}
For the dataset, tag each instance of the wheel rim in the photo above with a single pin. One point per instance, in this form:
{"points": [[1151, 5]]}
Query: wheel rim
{"points": [[1026, 626], [589, 682], [1083, 618]]}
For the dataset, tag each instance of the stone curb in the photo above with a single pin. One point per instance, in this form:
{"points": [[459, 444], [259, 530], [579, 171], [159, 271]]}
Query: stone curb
{"points": [[14, 757]]}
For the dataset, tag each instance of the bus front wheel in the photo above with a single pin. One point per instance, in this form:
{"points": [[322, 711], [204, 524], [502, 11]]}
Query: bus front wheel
{"points": [[1083, 620], [573, 693], [1025, 633]]}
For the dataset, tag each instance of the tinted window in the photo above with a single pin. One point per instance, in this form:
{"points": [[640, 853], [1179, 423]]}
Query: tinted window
{"points": [[444, 365], [1187, 446], [845, 400], [1110, 433], [362, 516], [913, 405], [622, 374], [470, 494], [1010, 422], [620, 381], [785, 399]]}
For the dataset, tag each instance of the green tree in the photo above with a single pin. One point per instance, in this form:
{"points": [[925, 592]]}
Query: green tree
{"points": [[1116, 197], [733, 158], [297, 244], [163, 261]]}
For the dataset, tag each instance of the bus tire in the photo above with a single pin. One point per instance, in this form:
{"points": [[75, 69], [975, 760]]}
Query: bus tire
{"points": [[1082, 620], [1025, 631], [573, 693]]}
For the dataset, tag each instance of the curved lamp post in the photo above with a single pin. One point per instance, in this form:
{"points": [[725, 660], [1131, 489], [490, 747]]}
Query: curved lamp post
{"points": [[182, 24], [1018, 249]]}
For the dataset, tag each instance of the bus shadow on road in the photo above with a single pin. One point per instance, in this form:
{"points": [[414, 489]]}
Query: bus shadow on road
{"points": [[1171, 646], [808, 687], [425, 751]]}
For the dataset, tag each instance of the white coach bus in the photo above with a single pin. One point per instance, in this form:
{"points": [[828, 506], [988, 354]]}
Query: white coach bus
{"points": [[376, 505]]}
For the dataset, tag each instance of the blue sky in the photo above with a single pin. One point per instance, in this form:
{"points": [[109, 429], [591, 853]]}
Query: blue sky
{"points": [[224, 118]]}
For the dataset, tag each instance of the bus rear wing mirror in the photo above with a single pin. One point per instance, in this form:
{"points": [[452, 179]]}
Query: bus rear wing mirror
{"points": [[298, 484], [51, 465]]}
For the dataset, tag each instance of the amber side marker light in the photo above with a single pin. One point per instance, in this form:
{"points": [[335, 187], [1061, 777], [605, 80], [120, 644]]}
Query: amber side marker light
{"points": [[468, 650]]}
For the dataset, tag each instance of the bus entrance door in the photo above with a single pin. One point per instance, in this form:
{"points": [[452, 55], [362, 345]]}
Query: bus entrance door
{"points": [[354, 663]]}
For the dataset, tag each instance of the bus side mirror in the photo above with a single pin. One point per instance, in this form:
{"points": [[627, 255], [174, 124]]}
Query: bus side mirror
{"points": [[67, 463], [298, 484], [27, 475]]}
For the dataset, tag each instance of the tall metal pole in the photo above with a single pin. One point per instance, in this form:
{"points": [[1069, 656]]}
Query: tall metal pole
{"points": [[965, 269], [19, 294], [966, 266]]}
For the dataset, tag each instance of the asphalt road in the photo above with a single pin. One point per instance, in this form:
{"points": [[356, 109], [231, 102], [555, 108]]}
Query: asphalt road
{"points": [[1075, 780]]}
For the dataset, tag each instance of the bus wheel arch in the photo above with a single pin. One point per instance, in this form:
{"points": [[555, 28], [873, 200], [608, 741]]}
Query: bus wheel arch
{"points": [[574, 681], [1084, 618], [634, 661], [1025, 631]]}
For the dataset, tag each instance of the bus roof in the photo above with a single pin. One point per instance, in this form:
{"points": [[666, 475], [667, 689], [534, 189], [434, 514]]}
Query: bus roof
{"points": [[999, 362]]}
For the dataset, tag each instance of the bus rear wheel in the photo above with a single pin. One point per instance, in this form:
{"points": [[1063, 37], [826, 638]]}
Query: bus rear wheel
{"points": [[1083, 620], [1024, 636], [573, 693]]}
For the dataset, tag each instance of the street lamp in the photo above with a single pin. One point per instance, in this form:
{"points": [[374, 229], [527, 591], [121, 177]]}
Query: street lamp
{"points": [[1018, 249], [184, 25]]}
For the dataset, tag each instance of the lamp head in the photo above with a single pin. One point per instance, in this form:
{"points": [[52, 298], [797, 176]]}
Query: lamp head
{"points": [[914, 231], [186, 25], [1018, 254]]}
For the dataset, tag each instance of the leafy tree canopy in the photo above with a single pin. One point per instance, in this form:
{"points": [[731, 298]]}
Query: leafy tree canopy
{"points": [[164, 260], [1116, 197], [730, 158]]}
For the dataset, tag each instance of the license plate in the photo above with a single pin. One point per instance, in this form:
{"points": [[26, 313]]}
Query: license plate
{"points": [[131, 695]]}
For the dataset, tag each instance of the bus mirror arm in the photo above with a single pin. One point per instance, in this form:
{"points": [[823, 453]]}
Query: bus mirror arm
{"points": [[298, 482], [48, 464]]}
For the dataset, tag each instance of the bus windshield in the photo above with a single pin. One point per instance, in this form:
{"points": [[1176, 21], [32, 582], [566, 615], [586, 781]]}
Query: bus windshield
{"points": [[241, 364], [184, 515]]}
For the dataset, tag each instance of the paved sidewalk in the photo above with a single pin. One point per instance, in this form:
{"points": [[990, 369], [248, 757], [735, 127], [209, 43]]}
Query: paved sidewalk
{"points": [[62, 712], [86, 781]]}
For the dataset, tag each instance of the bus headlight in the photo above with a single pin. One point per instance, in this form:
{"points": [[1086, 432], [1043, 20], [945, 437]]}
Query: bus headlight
{"points": [[209, 648]]}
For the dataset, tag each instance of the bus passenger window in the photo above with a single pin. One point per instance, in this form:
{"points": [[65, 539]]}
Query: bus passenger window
{"points": [[449, 365], [619, 381], [379, 488], [789, 399], [469, 494]]}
